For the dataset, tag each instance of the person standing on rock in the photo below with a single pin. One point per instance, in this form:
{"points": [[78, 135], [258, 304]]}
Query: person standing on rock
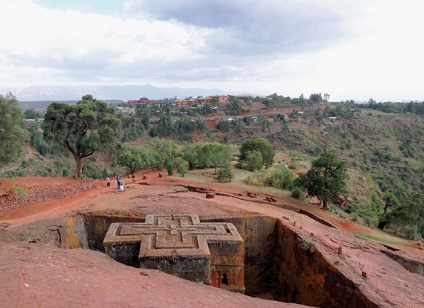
{"points": [[118, 181], [107, 182]]}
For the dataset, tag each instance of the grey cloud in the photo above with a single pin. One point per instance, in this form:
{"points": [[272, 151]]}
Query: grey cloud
{"points": [[90, 62], [203, 13], [250, 27], [97, 68], [209, 69]]}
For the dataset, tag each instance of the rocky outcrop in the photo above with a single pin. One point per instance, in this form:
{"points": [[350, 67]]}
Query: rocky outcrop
{"points": [[31, 196], [305, 276]]}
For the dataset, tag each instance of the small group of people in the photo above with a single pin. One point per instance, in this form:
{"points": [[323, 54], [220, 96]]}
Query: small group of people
{"points": [[120, 184]]}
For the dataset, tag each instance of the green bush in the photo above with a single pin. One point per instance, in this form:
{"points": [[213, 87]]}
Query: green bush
{"points": [[411, 232], [261, 145], [19, 191], [255, 180], [280, 177], [91, 172], [170, 168], [182, 167], [296, 193], [225, 174], [253, 161], [294, 164]]}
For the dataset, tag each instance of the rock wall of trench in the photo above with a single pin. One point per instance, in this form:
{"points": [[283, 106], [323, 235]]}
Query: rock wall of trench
{"points": [[96, 226], [260, 241], [306, 277]]}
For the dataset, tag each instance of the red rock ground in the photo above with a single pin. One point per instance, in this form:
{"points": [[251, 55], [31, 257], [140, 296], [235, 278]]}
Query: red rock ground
{"points": [[39, 275]]}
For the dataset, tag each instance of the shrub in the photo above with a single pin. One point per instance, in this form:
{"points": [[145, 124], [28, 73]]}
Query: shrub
{"points": [[254, 180], [19, 191], [306, 244], [170, 168], [411, 232], [296, 193], [294, 164], [280, 177], [182, 167], [253, 161], [225, 174], [105, 174], [91, 172]]}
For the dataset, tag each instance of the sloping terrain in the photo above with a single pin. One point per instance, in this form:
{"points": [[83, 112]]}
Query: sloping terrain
{"points": [[313, 262]]}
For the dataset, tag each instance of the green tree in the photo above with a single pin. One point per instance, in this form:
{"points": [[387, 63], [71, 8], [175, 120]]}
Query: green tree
{"points": [[165, 125], [288, 178], [84, 128], [261, 145], [214, 155], [326, 179], [390, 202], [407, 215], [225, 174], [190, 154], [32, 114], [12, 132], [253, 161], [37, 141], [182, 167], [224, 125], [144, 115], [135, 158], [315, 98], [234, 107], [165, 153]]}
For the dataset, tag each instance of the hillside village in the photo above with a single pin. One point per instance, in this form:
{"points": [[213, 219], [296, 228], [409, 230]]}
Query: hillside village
{"points": [[252, 106]]}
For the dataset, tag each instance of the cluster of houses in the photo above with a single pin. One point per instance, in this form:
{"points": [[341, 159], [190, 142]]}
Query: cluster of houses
{"points": [[219, 99], [129, 106]]}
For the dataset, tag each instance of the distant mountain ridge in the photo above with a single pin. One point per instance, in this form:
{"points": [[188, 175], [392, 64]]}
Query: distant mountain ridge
{"points": [[112, 92], [42, 105]]}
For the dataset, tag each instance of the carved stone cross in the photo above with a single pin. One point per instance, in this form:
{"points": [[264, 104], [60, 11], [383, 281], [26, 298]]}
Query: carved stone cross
{"points": [[181, 245]]}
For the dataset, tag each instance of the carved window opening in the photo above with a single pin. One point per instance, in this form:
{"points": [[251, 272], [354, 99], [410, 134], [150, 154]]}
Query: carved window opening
{"points": [[224, 279]]}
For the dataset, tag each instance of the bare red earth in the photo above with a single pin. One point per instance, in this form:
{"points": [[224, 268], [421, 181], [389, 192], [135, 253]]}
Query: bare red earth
{"points": [[35, 274]]}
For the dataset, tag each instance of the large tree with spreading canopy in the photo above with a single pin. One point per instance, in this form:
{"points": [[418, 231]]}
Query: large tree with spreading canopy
{"points": [[261, 145], [326, 179], [84, 128]]}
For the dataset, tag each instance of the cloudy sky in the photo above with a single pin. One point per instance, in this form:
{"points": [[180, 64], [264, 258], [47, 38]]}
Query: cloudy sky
{"points": [[351, 49]]}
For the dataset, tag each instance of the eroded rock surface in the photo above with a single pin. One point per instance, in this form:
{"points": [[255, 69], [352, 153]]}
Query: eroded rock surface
{"points": [[302, 258]]}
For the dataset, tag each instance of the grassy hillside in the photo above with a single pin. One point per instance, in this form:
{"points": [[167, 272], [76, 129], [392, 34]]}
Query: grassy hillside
{"points": [[383, 151], [386, 148]]}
